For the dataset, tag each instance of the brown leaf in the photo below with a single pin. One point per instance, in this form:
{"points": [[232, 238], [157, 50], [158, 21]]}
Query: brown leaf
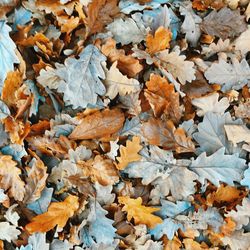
{"points": [[58, 214], [100, 124], [163, 98], [165, 134], [10, 178], [100, 13], [127, 64], [36, 181], [224, 24], [129, 153], [160, 41]]}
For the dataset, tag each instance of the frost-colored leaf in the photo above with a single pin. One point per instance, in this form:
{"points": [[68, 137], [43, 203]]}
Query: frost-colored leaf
{"points": [[131, 102], [191, 25], [36, 180], [129, 153], [219, 167], [210, 103], [117, 83], [8, 232], [237, 133], [241, 215], [38, 241], [242, 43], [113, 149], [7, 50], [238, 240], [141, 214], [60, 245], [230, 75], [127, 30], [99, 124], [3, 196], [246, 180], [48, 77], [58, 214], [220, 46], [247, 12], [176, 65], [12, 216], [211, 134], [10, 178], [104, 194], [225, 23]]}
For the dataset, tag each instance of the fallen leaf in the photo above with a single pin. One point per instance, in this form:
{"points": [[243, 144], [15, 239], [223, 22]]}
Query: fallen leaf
{"points": [[129, 153], [237, 133], [57, 215], [99, 124], [141, 214]]}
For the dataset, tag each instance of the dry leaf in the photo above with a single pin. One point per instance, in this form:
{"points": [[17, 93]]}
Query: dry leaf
{"points": [[141, 214], [99, 124], [57, 215], [237, 133], [129, 153], [165, 134], [10, 178], [160, 41]]}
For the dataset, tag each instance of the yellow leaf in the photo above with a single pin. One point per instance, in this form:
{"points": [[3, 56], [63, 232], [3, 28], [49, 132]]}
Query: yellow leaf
{"points": [[58, 214], [9, 176], [129, 153], [159, 41], [140, 213]]}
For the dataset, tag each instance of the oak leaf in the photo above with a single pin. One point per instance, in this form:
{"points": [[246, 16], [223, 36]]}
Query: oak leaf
{"points": [[10, 179], [141, 214], [99, 124], [163, 98], [129, 153], [160, 41], [58, 214], [165, 134]]}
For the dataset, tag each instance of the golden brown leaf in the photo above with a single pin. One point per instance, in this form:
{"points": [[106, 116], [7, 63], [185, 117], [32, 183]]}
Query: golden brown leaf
{"points": [[141, 214], [129, 153], [57, 215], [174, 244], [100, 13], [165, 134], [163, 98], [160, 41], [100, 124], [127, 64], [10, 178]]}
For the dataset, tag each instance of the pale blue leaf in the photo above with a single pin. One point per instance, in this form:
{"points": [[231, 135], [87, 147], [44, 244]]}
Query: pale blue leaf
{"points": [[167, 227], [15, 150], [7, 52], [60, 245], [64, 129], [27, 247], [3, 136], [219, 167], [41, 205], [131, 127], [22, 16], [246, 179], [36, 241], [4, 110]]}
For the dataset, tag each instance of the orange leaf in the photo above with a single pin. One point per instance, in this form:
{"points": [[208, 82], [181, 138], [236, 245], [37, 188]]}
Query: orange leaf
{"points": [[163, 98], [58, 214], [129, 153], [140, 213], [160, 41], [165, 134], [99, 124]]}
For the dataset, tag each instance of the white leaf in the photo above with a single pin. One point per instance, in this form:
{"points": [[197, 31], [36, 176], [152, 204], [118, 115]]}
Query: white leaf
{"points": [[242, 43], [176, 64], [210, 103], [8, 232], [117, 83], [247, 12], [12, 216], [234, 75], [38, 241], [3, 196], [241, 215], [220, 46], [113, 149], [237, 133], [103, 194], [237, 240]]}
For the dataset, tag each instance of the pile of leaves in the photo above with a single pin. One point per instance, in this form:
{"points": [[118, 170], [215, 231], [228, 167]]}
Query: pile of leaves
{"points": [[124, 124]]}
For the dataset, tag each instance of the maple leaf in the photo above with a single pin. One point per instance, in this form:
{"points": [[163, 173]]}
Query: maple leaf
{"points": [[117, 83], [10, 179], [99, 14], [36, 180], [163, 98], [141, 214], [129, 153], [58, 214], [99, 124], [166, 135], [224, 23], [160, 41], [7, 51], [234, 75]]}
